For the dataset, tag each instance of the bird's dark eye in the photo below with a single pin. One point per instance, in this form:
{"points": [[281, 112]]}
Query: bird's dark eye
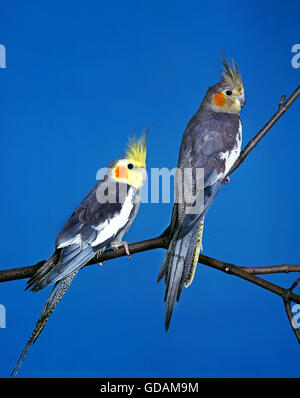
{"points": [[228, 92], [130, 166]]}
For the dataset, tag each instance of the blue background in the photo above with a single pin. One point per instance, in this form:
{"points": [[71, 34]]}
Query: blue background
{"points": [[80, 77]]}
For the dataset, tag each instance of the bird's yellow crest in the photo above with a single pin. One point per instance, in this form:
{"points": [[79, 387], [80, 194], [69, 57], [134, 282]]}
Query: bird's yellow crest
{"points": [[229, 94], [131, 169], [137, 149], [231, 75]]}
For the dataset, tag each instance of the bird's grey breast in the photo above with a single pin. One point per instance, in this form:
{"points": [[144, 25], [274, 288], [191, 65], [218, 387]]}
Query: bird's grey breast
{"points": [[232, 151], [211, 141]]}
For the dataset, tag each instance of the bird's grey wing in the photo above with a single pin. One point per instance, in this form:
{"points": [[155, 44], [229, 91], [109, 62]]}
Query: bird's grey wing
{"points": [[90, 214], [91, 228], [100, 217], [207, 146], [205, 141]]}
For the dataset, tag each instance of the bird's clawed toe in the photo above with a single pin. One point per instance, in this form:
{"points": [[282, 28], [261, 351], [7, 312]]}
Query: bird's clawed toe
{"points": [[125, 245]]}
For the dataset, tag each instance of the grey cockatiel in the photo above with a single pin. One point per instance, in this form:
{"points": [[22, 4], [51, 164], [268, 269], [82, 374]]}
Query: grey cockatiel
{"points": [[211, 141], [101, 220]]}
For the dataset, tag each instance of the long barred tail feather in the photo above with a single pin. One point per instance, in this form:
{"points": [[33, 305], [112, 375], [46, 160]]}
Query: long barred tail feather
{"points": [[57, 293], [179, 266], [188, 279], [181, 260]]}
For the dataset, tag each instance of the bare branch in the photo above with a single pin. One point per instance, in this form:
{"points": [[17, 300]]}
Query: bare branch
{"points": [[273, 269], [150, 244], [283, 107]]}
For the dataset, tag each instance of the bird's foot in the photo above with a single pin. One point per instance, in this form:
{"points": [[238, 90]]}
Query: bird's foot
{"points": [[98, 254], [227, 180], [125, 245]]}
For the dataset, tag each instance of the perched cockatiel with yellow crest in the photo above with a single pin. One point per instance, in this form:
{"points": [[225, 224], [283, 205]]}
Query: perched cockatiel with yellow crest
{"points": [[212, 142], [100, 221]]}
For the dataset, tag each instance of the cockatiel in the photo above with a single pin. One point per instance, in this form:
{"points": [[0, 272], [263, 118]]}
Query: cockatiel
{"points": [[101, 220], [211, 141]]}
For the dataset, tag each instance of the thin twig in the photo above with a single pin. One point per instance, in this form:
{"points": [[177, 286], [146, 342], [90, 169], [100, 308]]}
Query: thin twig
{"points": [[161, 242], [27, 272], [272, 269], [283, 107]]}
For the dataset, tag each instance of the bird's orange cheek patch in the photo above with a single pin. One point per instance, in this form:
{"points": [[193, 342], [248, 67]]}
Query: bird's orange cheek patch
{"points": [[121, 172], [219, 99]]}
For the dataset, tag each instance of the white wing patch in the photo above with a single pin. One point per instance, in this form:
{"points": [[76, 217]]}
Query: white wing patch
{"points": [[111, 227], [74, 241], [230, 157]]}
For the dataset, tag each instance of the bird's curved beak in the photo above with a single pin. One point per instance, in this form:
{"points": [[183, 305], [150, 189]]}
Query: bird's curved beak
{"points": [[241, 98]]}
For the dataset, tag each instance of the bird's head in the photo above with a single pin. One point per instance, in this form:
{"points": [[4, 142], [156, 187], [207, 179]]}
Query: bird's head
{"points": [[228, 95], [131, 169]]}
